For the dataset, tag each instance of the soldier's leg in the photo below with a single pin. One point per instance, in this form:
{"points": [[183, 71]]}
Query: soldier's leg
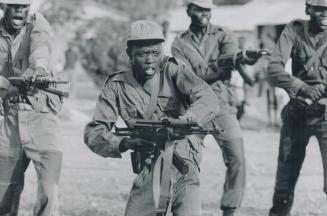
{"points": [[231, 144], [321, 134], [186, 199], [293, 141], [12, 166], [11, 184], [141, 200], [40, 133]]}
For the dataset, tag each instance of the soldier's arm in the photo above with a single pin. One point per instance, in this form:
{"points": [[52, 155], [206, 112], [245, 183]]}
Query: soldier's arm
{"points": [[204, 104], [97, 135], [40, 44], [277, 75], [178, 53]]}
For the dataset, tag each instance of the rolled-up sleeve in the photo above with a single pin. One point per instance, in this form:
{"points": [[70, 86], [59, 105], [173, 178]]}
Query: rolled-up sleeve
{"points": [[277, 75], [204, 104], [97, 134]]}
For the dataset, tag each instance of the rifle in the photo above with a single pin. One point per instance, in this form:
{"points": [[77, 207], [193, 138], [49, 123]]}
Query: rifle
{"points": [[163, 133], [237, 61], [42, 83]]}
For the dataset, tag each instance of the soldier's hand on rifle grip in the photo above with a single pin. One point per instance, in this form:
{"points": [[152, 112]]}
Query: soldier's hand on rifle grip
{"points": [[314, 92], [136, 144]]}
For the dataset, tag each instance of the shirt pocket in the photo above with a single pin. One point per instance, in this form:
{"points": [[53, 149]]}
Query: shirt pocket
{"points": [[168, 105]]}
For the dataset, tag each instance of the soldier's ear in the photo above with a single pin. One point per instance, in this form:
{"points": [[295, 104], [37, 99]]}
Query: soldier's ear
{"points": [[129, 52], [308, 10]]}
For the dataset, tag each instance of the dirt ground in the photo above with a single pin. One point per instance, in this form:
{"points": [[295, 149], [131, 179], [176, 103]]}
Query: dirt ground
{"points": [[95, 186]]}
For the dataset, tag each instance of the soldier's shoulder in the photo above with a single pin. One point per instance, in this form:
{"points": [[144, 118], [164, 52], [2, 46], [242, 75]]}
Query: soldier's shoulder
{"points": [[296, 25], [219, 28], [115, 76], [40, 23]]}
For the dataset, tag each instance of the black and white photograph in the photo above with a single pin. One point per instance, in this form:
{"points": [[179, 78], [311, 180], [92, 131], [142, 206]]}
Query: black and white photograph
{"points": [[163, 107]]}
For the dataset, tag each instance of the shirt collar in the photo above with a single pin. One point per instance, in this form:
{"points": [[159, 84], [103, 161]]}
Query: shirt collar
{"points": [[209, 31]]}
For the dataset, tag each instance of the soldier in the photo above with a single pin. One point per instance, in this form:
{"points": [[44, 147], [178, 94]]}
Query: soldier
{"points": [[305, 42], [29, 131], [198, 48], [130, 94]]}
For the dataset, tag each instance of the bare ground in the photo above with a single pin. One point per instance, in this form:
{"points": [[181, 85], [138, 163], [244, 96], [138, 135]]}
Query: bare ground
{"points": [[95, 186]]}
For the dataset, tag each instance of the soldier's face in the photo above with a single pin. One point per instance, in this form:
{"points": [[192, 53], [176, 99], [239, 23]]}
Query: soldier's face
{"points": [[145, 58], [318, 15], [15, 16], [199, 16]]}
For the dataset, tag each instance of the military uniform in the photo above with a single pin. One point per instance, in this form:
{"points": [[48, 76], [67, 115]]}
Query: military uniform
{"points": [[201, 57], [300, 121], [30, 127], [180, 94]]}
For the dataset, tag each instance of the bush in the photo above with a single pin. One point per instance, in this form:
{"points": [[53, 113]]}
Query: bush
{"points": [[103, 52]]}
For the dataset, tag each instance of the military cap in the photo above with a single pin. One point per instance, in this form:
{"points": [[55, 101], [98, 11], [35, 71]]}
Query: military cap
{"points": [[144, 30], [322, 3], [202, 3], [20, 2]]}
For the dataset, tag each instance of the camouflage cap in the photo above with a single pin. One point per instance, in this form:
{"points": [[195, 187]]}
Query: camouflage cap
{"points": [[144, 30], [322, 3], [20, 2], [203, 3]]}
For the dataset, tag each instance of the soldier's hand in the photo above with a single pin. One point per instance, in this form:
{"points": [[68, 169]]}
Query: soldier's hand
{"points": [[248, 57], [136, 144], [314, 92], [39, 72]]}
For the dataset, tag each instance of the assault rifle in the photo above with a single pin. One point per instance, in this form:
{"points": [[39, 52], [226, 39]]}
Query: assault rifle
{"points": [[237, 61], [163, 133], [42, 83], [159, 131]]}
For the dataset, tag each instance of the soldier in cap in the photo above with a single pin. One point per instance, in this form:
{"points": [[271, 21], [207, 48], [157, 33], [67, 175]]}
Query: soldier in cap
{"points": [[199, 48], [29, 131], [305, 42], [177, 93]]}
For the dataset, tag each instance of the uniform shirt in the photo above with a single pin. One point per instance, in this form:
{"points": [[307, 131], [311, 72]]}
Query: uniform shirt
{"points": [[29, 49], [26, 50], [181, 93], [299, 43], [192, 52]]}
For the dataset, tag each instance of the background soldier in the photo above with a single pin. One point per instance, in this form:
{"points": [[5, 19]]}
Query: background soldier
{"points": [[129, 93], [198, 48], [306, 43], [29, 130]]}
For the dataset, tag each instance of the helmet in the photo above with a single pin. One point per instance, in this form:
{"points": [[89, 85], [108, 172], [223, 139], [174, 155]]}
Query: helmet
{"points": [[144, 30], [322, 3], [203, 3]]}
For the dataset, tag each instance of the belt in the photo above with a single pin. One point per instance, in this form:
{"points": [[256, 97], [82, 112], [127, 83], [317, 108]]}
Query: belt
{"points": [[21, 106], [17, 99]]}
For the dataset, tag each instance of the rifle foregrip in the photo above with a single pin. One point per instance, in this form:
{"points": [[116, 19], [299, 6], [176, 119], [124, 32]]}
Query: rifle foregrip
{"points": [[180, 164]]}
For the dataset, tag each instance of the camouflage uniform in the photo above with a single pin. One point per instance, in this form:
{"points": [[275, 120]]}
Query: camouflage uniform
{"points": [[180, 94], [30, 127], [300, 122], [192, 52]]}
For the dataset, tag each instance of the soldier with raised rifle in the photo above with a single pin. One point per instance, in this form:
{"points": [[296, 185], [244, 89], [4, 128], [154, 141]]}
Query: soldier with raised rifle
{"points": [[210, 51], [305, 42], [29, 128], [155, 87]]}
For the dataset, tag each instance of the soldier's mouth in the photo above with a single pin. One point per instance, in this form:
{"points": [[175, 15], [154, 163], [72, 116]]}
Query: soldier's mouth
{"points": [[150, 70], [17, 20]]}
